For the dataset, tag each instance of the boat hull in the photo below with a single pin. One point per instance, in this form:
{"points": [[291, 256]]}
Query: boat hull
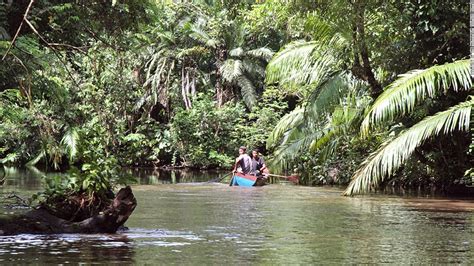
{"points": [[243, 180]]}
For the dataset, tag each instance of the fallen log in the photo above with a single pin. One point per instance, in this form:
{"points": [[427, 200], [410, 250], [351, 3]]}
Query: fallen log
{"points": [[41, 221]]}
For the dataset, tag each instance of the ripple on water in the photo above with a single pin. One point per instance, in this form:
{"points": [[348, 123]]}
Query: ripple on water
{"points": [[214, 224], [120, 246]]}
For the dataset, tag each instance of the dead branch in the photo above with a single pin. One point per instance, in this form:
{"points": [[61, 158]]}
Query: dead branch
{"points": [[18, 30], [52, 48]]}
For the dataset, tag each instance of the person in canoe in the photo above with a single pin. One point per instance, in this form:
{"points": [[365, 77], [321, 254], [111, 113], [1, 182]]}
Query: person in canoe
{"points": [[243, 163], [258, 164]]}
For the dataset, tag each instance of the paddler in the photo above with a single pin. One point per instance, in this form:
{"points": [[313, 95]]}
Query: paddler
{"points": [[243, 162], [258, 164]]}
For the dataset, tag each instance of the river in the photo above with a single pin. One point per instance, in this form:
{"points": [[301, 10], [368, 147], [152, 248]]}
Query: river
{"points": [[181, 219]]}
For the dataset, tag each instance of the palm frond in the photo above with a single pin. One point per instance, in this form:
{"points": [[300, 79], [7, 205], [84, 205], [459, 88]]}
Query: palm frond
{"points": [[341, 122], [294, 142], [325, 97], [326, 31], [296, 55], [70, 141], [287, 122], [231, 69], [237, 52], [166, 37], [262, 53], [324, 64], [333, 109], [248, 91], [310, 137], [302, 63], [410, 89], [388, 158], [253, 68], [4, 34], [3, 20], [158, 70], [153, 66], [200, 35]]}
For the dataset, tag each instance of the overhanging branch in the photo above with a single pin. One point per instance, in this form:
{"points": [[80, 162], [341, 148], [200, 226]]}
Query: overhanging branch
{"points": [[18, 30]]}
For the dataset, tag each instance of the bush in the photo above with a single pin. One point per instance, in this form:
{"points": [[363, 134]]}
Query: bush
{"points": [[206, 136], [263, 118], [149, 144]]}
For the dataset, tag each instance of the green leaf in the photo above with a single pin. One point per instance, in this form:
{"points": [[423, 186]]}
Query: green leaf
{"points": [[412, 88], [70, 141], [248, 91], [231, 69], [388, 158]]}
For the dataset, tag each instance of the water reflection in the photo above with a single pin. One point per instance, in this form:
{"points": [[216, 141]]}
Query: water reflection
{"points": [[29, 178], [152, 176], [22, 178]]}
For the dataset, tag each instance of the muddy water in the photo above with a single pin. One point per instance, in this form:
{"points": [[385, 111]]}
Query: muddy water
{"points": [[202, 223]]}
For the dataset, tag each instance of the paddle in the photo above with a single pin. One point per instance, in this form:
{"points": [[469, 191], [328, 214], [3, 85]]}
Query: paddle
{"points": [[232, 178], [219, 179], [293, 178]]}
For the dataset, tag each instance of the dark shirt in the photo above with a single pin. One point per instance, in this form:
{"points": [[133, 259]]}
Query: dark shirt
{"points": [[257, 164]]}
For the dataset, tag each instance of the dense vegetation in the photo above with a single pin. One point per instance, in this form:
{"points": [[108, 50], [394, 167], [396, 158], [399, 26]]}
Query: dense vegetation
{"points": [[334, 90]]}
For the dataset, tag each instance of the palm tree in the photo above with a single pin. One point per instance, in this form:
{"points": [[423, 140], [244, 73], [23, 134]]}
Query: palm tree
{"points": [[331, 99], [399, 99], [159, 69], [327, 119], [200, 51], [242, 67], [336, 37], [235, 65], [171, 60]]}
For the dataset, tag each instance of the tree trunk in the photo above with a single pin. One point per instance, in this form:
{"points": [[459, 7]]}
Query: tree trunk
{"points": [[220, 89], [188, 86], [364, 70], [193, 85], [41, 221]]}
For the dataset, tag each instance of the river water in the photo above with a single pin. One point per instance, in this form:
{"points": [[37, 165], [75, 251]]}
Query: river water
{"points": [[210, 223]]}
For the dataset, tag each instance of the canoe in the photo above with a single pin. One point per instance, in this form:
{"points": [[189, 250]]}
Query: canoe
{"points": [[244, 180]]}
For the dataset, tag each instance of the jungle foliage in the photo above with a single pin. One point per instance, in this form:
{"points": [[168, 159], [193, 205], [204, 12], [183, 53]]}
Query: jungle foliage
{"points": [[339, 91]]}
